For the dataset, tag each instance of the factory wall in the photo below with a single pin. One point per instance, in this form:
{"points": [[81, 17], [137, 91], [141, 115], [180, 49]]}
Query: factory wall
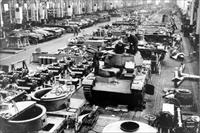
{"points": [[37, 10]]}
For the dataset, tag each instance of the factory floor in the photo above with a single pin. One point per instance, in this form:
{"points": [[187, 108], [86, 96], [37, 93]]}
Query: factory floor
{"points": [[160, 81]]}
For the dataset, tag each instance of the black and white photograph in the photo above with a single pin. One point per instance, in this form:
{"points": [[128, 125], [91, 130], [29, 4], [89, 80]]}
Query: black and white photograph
{"points": [[99, 66]]}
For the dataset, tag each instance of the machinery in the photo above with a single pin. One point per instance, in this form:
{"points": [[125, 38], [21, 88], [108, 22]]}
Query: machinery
{"points": [[175, 54], [29, 81], [172, 118], [22, 117], [148, 48], [76, 41], [36, 79], [27, 84], [4, 80], [87, 119], [169, 120], [192, 124], [62, 110], [179, 97], [12, 93], [29, 116], [43, 77], [179, 76], [81, 69], [156, 33], [54, 98], [116, 80], [22, 70], [18, 71], [176, 49], [56, 69]]}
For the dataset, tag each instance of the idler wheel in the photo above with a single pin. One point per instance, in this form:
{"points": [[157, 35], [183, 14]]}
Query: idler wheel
{"points": [[129, 126]]}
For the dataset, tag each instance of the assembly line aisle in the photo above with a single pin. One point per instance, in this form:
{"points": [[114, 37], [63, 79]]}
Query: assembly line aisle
{"points": [[191, 65], [191, 62]]}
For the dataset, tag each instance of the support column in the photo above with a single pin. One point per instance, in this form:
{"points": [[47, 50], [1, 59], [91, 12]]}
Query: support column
{"points": [[57, 8], [198, 33], [46, 10], [1, 17], [26, 6], [33, 8], [198, 20], [192, 13], [10, 10], [37, 3], [19, 13]]}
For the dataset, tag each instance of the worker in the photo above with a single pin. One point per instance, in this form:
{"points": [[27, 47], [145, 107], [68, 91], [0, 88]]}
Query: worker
{"points": [[164, 121], [154, 62], [119, 47], [107, 61], [76, 30], [164, 18], [98, 33], [133, 43], [96, 62]]}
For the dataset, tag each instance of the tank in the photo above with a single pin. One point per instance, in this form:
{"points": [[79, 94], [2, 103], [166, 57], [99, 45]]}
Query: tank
{"points": [[117, 81]]}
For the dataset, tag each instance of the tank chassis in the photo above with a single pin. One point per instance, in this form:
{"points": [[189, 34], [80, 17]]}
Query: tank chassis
{"points": [[118, 81]]}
